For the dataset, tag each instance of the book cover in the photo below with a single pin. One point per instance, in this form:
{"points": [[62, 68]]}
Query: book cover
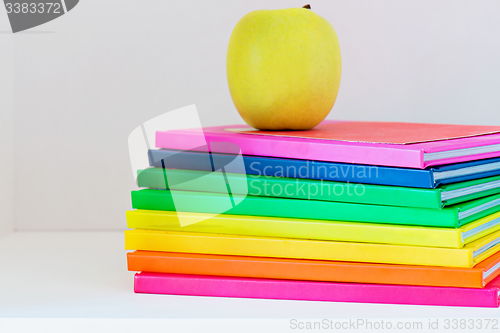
{"points": [[222, 286], [416, 155], [312, 189], [381, 132], [430, 177], [254, 246], [217, 203], [314, 270], [313, 229]]}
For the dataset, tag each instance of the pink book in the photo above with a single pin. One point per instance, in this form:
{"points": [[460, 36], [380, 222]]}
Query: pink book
{"points": [[408, 145], [218, 286]]}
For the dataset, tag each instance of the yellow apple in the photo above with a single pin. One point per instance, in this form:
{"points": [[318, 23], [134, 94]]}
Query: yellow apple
{"points": [[283, 68]]}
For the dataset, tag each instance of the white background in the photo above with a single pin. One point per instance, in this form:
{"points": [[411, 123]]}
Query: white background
{"points": [[74, 88], [6, 137]]}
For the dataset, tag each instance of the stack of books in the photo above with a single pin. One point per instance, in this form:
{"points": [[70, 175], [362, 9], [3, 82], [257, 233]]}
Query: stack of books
{"points": [[371, 212]]}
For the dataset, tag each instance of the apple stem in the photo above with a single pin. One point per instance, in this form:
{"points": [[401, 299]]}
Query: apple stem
{"points": [[307, 6]]}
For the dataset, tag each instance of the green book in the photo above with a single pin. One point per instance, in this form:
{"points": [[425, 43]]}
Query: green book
{"points": [[227, 203], [312, 189]]}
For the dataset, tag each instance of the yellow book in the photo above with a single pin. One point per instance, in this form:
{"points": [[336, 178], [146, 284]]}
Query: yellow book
{"points": [[314, 229], [173, 241]]}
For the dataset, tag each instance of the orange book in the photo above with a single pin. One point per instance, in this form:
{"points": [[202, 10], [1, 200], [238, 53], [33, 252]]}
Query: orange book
{"points": [[314, 270]]}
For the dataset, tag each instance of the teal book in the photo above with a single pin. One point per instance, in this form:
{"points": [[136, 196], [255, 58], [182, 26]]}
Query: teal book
{"points": [[234, 204], [312, 189]]}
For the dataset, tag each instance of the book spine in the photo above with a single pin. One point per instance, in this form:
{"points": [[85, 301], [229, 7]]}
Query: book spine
{"points": [[309, 189], [296, 269], [295, 168], [195, 285], [292, 208], [167, 241], [318, 150], [296, 228]]}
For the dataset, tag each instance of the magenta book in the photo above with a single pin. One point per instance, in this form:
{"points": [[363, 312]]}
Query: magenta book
{"points": [[219, 286], [388, 144]]}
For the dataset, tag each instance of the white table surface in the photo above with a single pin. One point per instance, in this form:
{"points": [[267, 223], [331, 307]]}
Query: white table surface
{"points": [[83, 275]]}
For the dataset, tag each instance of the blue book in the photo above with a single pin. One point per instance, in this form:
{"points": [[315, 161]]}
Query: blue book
{"points": [[341, 172]]}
